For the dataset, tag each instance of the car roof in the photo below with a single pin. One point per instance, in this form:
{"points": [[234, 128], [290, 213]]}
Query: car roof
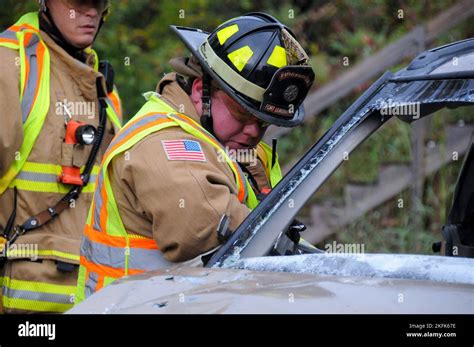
{"points": [[454, 60]]}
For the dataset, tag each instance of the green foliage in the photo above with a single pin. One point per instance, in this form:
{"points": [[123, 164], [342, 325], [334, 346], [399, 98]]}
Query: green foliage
{"points": [[389, 229]]}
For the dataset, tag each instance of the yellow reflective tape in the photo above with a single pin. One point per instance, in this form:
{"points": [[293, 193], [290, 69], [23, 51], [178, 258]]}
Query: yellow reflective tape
{"points": [[42, 168], [49, 187], [51, 168], [8, 45], [224, 34], [44, 187], [135, 236], [55, 253], [264, 152], [278, 57], [229, 75], [108, 280], [38, 287], [20, 253], [79, 295], [32, 305], [240, 57]]}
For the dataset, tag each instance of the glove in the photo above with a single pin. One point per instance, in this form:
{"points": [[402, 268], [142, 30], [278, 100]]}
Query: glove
{"points": [[291, 242]]}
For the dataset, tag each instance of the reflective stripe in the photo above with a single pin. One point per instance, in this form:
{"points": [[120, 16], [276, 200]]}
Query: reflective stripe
{"points": [[111, 104], [120, 241], [103, 255], [31, 18], [229, 75], [37, 177], [114, 117], [34, 88], [134, 125], [147, 259], [57, 188], [114, 112], [21, 253], [240, 57], [36, 296], [112, 251], [37, 306], [98, 202], [278, 57], [41, 177], [44, 177], [37, 286], [103, 270], [139, 259], [114, 101], [32, 82], [224, 34], [265, 154], [91, 283], [9, 35], [55, 253]]}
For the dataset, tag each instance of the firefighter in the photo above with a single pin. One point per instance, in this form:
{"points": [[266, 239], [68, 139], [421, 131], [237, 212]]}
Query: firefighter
{"points": [[190, 166], [59, 112]]}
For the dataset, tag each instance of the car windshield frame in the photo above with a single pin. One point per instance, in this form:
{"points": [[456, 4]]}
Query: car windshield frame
{"points": [[256, 234]]}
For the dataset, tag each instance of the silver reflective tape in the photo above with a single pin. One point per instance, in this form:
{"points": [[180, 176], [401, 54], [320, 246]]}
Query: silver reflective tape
{"points": [[139, 258], [91, 283], [37, 177], [98, 201], [147, 259], [129, 129], [8, 34], [102, 254], [32, 78], [37, 296]]}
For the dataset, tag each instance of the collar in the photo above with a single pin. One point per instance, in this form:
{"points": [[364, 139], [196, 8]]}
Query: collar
{"points": [[172, 93]]}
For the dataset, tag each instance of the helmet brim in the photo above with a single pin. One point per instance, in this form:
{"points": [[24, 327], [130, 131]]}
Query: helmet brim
{"points": [[193, 39]]}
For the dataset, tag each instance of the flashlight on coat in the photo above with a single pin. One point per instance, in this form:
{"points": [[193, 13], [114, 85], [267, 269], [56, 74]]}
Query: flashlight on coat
{"points": [[76, 133]]}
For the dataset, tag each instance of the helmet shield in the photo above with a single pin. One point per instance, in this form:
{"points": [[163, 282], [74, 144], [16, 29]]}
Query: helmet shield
{"points": [[287, 90]]}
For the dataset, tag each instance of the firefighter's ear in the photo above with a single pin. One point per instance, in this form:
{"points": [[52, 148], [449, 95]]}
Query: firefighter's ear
{"points": [[196, 94], [196, 89]]}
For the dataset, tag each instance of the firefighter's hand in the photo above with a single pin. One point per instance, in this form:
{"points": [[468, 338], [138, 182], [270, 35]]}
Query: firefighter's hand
{"points": [[291, 242], [294, 230]]}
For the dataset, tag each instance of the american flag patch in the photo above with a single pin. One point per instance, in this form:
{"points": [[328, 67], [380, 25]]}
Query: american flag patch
{"points": [[183, 150]]}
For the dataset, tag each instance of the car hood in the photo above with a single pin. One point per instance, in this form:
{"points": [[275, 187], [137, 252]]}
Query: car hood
{"points": [[219, 290]]}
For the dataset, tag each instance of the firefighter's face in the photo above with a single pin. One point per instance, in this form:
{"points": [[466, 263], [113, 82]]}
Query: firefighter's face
{"points": [[77, 20], [233, 125]]}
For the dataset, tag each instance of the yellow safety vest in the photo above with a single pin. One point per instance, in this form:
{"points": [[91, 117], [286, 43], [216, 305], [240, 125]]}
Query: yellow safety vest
{"points": [[108, 252], [24, 36]]}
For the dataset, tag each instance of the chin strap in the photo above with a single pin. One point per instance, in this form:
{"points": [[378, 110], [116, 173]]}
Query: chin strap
{"points": [[206, 117]]}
